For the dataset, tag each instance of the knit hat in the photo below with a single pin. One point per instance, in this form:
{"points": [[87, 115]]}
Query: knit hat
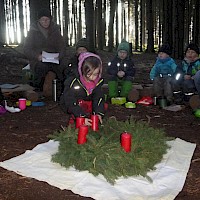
{"points": [[44, 12], [193, 47], [124, 45], [165, 48], [83, 42]]}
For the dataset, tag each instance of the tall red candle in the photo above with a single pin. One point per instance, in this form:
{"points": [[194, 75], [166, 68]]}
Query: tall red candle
{"points": [[95, 122], [82, 133], [126, 141], [80, 121]]}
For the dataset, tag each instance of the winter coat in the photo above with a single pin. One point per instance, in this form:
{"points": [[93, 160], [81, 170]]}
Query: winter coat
{"points": [[163, 68], [36, 42], [125, 65], [71, 69], [189, 68], [75, 91]]}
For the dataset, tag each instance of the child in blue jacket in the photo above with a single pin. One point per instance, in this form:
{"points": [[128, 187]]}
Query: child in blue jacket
{"points": [[162, 73], [121, 72]]}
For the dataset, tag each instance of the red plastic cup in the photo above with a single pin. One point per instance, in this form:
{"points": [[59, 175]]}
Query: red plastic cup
{"points": [[22, 103]]}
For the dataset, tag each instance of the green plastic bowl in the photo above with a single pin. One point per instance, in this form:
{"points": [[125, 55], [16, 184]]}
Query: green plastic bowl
{"points": [[130, 105], [197, 113], [118, 100]]}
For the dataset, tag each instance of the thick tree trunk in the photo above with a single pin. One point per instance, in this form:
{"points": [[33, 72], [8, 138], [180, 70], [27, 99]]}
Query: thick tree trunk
{"points": [[136, 26], [2, 24], [89, 19], [150, 40], [99, 25], [110, 27], [66, 21], [179, 7]]}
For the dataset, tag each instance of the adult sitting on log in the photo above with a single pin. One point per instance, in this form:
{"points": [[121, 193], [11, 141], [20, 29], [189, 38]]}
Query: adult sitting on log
{"points": [[45, 35]]}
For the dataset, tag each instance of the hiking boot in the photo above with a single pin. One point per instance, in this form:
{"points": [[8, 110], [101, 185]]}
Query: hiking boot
{"points": [[47, 86]]}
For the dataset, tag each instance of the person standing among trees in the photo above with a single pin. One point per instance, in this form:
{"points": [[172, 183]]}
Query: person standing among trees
{"points": [[121, 72], [162, 74], [45, 35]]}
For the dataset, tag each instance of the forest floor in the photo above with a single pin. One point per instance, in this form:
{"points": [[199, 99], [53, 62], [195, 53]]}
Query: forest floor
{"points": [[23, 131]]}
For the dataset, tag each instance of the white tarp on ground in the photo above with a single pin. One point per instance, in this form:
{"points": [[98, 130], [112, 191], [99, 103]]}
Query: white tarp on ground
{"points": [[168, 178]]}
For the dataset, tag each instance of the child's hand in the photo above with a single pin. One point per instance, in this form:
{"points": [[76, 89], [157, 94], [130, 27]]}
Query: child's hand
{"points": [[120, 74], [100, 119], [187, 77], [88, 122]]}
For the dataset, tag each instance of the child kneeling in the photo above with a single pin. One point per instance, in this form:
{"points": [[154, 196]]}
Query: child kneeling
{"points": [[83, 95]]}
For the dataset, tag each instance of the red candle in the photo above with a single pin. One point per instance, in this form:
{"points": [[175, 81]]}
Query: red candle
{"points": [[105, 106], [126, 141], [82, 133], [95, 122], [80, 121]]}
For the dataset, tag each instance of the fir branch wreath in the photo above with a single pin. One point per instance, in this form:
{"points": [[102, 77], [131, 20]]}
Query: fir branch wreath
{"points": [[103, 154]]}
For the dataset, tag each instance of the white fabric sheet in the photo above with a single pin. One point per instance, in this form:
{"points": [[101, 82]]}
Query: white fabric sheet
{"points": [[168, 178]]}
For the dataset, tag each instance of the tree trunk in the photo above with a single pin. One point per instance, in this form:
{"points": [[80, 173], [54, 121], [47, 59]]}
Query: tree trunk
{"points": [[150, 40], [79, 24], [66, 21], [196, 32], [142, 24], [136, 26], [21, 19], [167, 22], [2, 24], [179, 7], [99, 25], [110, 27], [89, 19]]}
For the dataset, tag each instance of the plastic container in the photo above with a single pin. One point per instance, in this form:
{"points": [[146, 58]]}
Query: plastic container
{"points": [[130, 105], [118, 100], [54, 90], [162, 102], [197, 113]]}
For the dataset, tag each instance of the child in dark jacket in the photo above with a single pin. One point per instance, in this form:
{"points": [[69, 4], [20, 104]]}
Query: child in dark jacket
{"points": [[83, 94], [162, 73], [188, 76], [71, 69], [121, 72]]}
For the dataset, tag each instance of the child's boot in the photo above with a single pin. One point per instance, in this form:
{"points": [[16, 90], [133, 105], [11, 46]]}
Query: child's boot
{"points": [[113, 89], [126, 88]]}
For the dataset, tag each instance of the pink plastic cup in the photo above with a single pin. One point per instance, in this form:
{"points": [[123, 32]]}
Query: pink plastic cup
{"points": [[22, 104]]}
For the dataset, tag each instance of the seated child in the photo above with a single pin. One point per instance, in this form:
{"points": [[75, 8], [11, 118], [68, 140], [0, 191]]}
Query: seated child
{"points": [[162, 73], [121, 72], [71, 69], [188, 76], [83, 94]]}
